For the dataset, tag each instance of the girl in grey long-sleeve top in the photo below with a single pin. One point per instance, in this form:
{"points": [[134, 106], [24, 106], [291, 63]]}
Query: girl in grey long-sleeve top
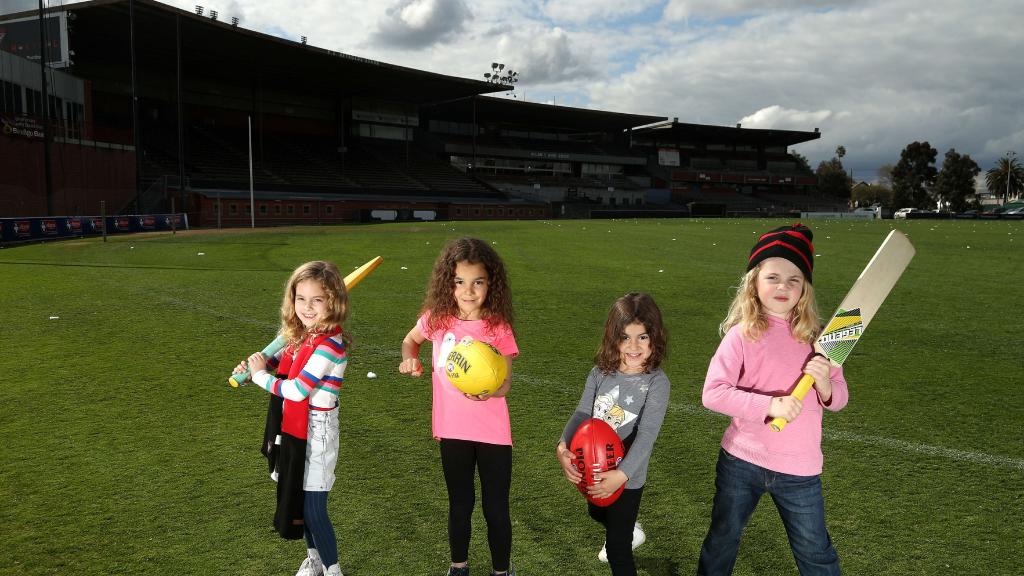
{"points": [[629, 391]]}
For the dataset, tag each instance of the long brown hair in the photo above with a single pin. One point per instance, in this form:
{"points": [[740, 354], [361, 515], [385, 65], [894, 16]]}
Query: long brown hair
{"points": [[326, 273], [633, 308], [746, 310], [440, 299]]}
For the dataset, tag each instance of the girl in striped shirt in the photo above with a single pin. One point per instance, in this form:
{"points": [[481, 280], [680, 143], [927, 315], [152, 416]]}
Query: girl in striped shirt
{"points": [[308, 374]]}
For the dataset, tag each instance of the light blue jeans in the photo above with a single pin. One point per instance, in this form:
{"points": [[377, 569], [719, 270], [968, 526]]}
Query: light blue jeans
{"points": [[738, 487], [322, 443]]}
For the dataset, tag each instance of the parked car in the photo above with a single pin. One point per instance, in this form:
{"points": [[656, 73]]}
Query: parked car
{"points": [[902, 212], [875, 211]]}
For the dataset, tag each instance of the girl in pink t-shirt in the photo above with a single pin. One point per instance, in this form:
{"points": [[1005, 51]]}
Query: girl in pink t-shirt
{"points": [[469, 295]]}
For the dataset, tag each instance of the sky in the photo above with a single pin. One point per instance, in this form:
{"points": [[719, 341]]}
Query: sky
{"points": [[872, 75]]}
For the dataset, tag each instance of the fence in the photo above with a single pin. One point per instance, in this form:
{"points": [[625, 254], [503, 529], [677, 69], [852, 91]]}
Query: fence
{"points": [[14, 230]]}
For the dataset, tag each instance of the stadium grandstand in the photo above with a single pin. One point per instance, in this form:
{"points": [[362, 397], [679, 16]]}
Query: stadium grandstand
{"points": [[735, 171], [157, 109]]}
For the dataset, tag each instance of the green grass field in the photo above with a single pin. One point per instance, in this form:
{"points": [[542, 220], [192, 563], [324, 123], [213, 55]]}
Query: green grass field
{"points": [[125, 452]]}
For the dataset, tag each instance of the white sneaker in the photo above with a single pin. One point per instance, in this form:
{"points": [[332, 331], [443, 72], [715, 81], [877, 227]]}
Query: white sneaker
{"points": [[334, 570], [310, 567], [639, 537]]}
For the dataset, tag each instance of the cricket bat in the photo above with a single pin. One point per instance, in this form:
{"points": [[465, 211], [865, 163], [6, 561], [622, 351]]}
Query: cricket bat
{"points": [[855, 312], [356, 276]]}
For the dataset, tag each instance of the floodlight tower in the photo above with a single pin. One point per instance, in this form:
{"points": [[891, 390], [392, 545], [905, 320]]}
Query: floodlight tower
{"points": [[499, 75]]}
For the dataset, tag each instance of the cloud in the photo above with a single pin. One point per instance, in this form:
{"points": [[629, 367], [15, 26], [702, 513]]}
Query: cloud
{"points": [[586, 10], [780, 118], [413, 24], [684, 10], [544, 57], [888, 73]]}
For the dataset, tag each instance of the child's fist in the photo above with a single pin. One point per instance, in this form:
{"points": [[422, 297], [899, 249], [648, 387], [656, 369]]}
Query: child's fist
{"points": [[411, 366], [257, 363], [565, 458], [785, 407]]}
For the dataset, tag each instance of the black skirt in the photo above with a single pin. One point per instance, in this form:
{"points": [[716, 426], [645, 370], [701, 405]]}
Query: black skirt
{"points": [[288, 460]]}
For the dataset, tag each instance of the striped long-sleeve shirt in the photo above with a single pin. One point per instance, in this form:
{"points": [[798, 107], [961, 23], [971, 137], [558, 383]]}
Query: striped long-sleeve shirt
{"points": [[320, 379]]}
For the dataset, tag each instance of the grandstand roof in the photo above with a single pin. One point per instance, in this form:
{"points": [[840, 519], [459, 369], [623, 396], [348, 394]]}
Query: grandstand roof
{"points": [[559, 118], [216, 49], [665, 132]]}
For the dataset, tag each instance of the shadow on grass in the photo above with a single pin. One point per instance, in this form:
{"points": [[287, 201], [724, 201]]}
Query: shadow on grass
{"points": [[659, 566]]}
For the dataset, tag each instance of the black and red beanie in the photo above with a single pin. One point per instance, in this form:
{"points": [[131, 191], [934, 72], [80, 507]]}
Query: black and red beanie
{"points": [[790, 242]]}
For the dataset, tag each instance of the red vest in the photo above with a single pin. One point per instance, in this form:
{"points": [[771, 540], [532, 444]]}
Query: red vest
{"points": [[295, 415]]}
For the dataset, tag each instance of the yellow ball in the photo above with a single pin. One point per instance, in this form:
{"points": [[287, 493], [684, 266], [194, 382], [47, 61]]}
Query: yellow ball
{"points": [[475, 367]]}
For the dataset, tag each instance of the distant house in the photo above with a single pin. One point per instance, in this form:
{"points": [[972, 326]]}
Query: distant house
{"points": [[859, 188]]}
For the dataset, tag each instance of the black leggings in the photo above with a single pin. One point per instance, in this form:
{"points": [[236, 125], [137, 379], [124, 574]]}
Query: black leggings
{"points": [[460, 459], [618, 520]]}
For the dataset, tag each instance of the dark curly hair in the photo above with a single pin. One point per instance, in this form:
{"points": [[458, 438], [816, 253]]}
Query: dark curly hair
{"points": [[440, 299]]}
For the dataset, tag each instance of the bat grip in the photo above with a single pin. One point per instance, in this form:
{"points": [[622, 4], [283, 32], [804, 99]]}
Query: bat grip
{"points": [[801, 390], [236, 380]]}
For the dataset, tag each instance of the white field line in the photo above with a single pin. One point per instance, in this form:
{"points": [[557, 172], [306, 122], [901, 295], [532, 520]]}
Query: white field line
{"points": [[891, 443], [928, 450]]}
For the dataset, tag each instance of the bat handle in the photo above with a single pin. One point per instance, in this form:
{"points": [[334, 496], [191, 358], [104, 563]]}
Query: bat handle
{"points": [[801, 390], [236, 380]]}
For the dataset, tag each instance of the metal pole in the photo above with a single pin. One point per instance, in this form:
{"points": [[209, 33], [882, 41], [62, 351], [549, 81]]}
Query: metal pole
{"points": [[103, 218], [136, 137], [174, 219], [181, 121], [474, 134], [47, 177], [252, 201]]}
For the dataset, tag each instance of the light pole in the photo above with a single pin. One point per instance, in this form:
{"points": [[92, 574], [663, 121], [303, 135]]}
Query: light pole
{"points": [[499, 75]]}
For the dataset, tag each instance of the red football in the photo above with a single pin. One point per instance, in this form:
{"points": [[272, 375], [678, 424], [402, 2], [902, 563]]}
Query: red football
{"points": [[596, 448]]}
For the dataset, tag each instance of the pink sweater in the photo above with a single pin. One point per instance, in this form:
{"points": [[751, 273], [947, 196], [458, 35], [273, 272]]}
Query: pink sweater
{"points": [[743, 378]]}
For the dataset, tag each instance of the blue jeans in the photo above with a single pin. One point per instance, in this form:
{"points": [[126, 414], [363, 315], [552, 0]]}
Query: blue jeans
{"points": [[738, 487]]}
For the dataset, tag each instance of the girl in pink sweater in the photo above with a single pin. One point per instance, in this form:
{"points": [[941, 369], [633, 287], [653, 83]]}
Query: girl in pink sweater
{"points": [[766, 348]]}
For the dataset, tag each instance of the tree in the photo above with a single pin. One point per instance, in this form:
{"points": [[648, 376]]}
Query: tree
{"points": [[1007, 169], [801, 161], [955, 181], [914, 175], [871, 194], [840, 152], [879, 193], [885, 175], [833, 179]]}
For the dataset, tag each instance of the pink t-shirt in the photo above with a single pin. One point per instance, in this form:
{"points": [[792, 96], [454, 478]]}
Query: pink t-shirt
{"points": [[455, 416], [742, 379]]}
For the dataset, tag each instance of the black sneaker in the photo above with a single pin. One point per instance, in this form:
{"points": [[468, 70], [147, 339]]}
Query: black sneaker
{"points": [[453, 571], [511, 572]]}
